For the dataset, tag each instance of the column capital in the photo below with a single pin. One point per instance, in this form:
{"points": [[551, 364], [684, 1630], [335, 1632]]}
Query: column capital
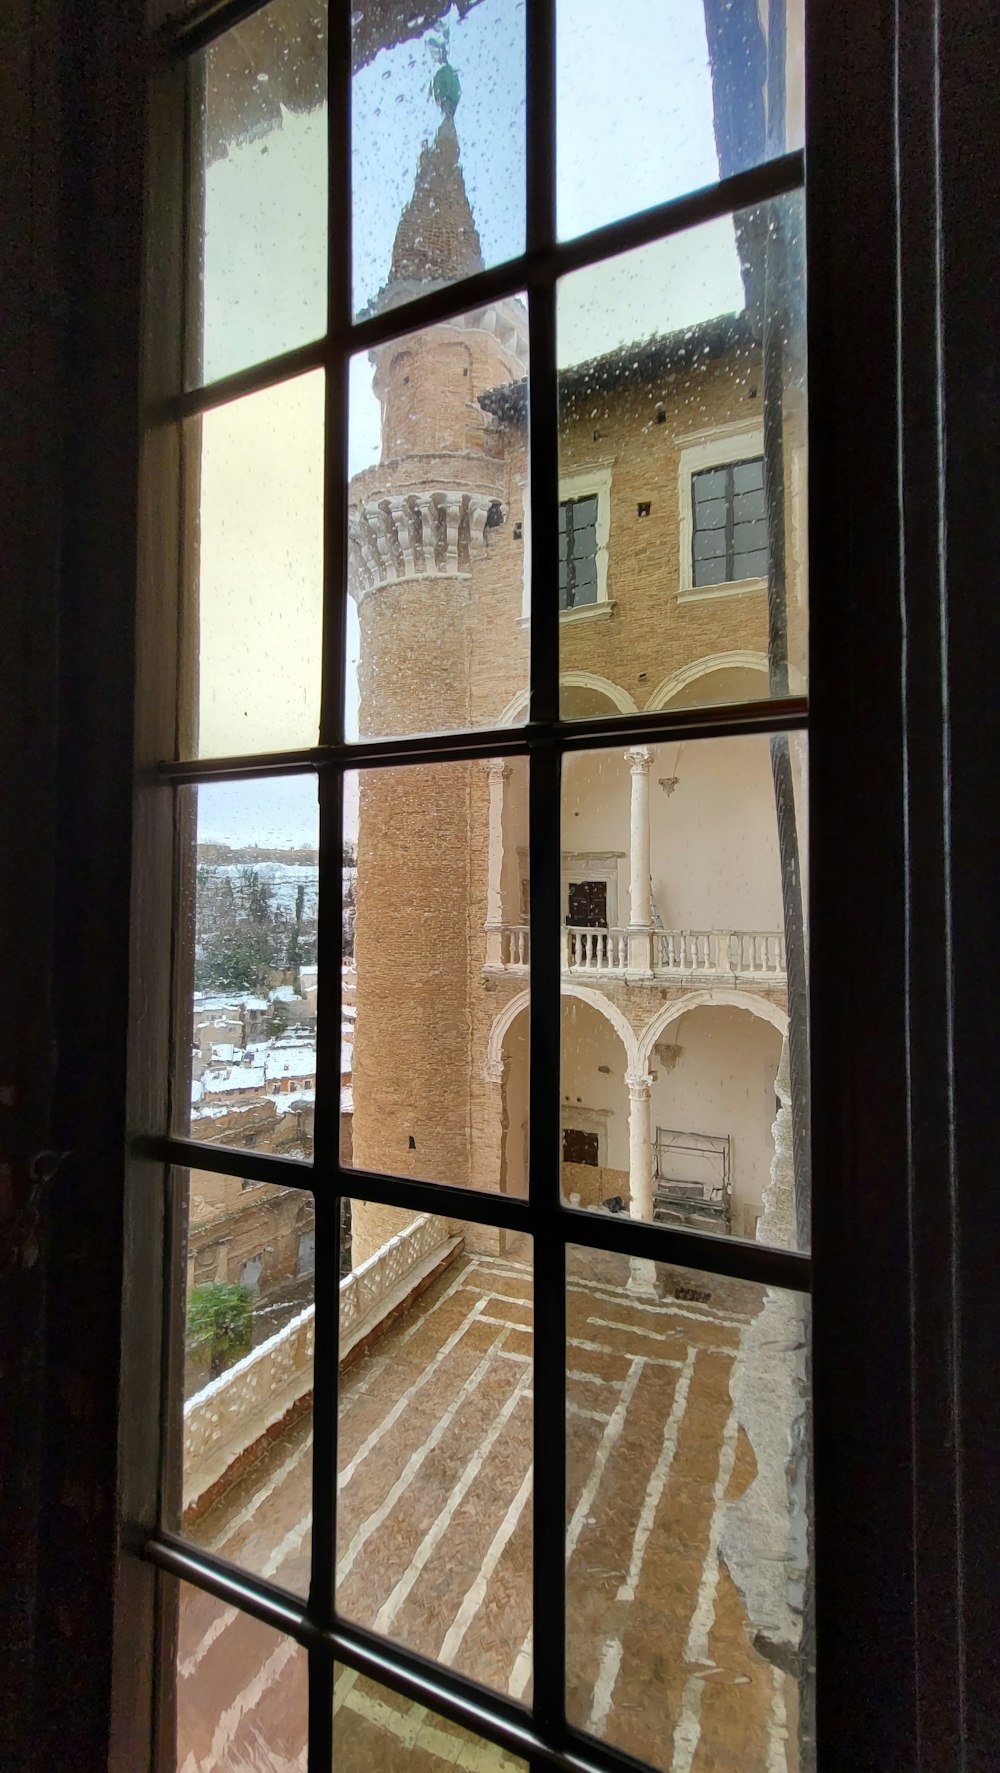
{"points": [[498, 767], [639, 1085], [639, 760], [493, 1070]]}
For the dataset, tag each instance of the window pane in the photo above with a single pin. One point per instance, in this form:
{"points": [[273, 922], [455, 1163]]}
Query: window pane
{"points": [[248, 1374], [437, 623], [438, 155], [242, 1699], [255, 552], [682, 962], [628, 140], [374, 1728], [663, 400], [711, 571], [688, 1504], [246, 1062], [434, 1442], [748, 476], [260, 202], [439, 1088]]}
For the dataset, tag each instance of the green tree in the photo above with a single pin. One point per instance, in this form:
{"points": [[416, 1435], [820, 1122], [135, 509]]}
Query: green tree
{"points": [[219, 1324]]}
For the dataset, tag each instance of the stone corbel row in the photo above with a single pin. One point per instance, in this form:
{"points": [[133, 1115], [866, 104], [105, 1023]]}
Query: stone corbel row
{"points": [[413, 535]]}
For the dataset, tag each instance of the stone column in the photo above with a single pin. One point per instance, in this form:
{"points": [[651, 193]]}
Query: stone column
{"points": [[497, 772], [640, 1168], [640, 937]]}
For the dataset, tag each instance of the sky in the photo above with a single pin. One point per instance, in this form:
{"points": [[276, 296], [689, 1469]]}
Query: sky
{"points": [[634, 128]]}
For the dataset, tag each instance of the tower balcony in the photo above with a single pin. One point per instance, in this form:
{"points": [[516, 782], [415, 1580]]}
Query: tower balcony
{"points": [[672, 956]]}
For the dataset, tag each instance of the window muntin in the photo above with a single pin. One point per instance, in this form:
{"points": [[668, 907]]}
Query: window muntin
{"points": [[729, 540], [540, 1662]]}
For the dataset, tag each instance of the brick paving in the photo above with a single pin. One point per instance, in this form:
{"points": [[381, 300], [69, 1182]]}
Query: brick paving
{"points": [[434, 1544]]}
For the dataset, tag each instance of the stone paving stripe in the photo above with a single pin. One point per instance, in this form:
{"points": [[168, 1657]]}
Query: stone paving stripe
{"points": [[387, 1612], [389, 1421], [687, 1733], [413, 1464], [611, 1661], [657, 1480], [248, 1512], [477, 1593]]}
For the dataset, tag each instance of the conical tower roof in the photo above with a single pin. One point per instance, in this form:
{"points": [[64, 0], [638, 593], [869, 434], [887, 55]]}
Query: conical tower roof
{"points": [[437, 240]]}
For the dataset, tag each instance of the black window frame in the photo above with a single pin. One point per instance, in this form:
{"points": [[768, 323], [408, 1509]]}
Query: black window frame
{"points": [[896, 118]]}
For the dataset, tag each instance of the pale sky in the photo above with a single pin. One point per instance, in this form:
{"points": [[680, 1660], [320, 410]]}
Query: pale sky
{"points": [[634, 128]]}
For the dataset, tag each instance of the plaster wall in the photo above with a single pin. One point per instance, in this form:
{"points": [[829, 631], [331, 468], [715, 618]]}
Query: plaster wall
{"points": [[715, 1073], [713, 839]]}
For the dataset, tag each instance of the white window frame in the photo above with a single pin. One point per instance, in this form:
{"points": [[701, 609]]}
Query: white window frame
{"points": [[717, 448]]}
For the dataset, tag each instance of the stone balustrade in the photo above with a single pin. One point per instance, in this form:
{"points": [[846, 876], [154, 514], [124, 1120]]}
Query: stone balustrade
{"points": [[246, 1405], [717, 956]]}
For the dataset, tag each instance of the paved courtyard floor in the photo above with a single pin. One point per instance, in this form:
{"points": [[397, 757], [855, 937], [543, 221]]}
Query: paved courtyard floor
{"points": [[435, 1537]]}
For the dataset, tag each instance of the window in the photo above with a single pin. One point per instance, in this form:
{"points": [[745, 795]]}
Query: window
{"points": [[866, 73], [729, 523], [415, 1467], [577, 552], [584, 533]]}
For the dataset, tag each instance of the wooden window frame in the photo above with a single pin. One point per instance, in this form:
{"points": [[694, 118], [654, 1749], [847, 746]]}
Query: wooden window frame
{"points": [[904, 1354]]}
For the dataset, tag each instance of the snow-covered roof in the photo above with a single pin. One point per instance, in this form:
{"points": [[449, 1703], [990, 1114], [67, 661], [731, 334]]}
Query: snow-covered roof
{"points": [[297, 1099], [235, 1077], [283, 994], [196, 1090], [226, 1054], [290, 1062]]}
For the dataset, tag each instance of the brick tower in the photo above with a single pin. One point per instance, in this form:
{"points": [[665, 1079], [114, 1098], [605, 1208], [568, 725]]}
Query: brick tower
{"points": [[435, 566]]}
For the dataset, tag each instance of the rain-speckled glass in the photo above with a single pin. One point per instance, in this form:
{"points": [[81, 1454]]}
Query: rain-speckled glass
{"points": [[248, 1374], [436, 981], [242, 1690], [682, 559], [689, 1642], [254, 593], [259, 225], [684, 1067], [438, 618], [434, 1440], [438, 151], [375, 1728], [246, 1059], [656, 98]]}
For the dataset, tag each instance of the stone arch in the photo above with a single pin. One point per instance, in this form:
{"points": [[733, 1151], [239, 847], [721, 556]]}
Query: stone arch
{"points": [[517, 707], [678, 680], [493, 1067], [721, 997]]}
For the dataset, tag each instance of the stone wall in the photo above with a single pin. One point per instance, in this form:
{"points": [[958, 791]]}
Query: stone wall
{"points": [[231, 1420]]}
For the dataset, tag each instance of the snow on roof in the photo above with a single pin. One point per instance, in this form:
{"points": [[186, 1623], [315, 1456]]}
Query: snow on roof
{"points": [[347, 1100], [196, 1090], [236, 1077], [283, 994], [226, 1054], [291, 1062], [298, 1099]]}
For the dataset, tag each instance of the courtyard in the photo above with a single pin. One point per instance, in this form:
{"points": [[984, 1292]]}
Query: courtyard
{"points": [[434, 1534]]}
